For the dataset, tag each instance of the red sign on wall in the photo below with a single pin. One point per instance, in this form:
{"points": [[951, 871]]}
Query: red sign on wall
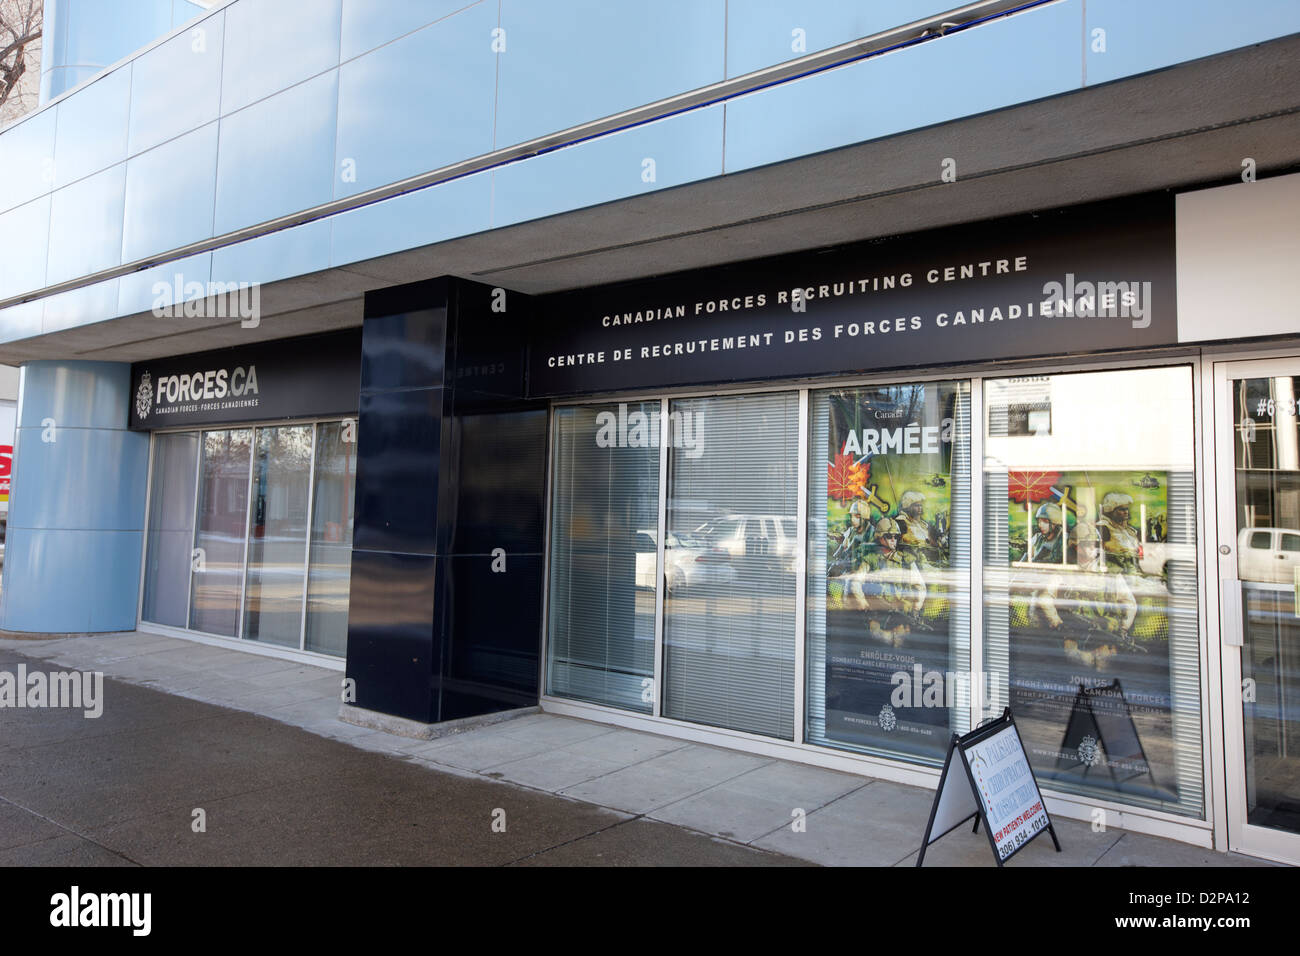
{"points": [[6, 466]]}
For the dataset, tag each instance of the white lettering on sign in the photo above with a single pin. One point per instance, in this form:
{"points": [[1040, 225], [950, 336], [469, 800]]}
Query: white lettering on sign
{"points": [[207, 385], [911, 439]]}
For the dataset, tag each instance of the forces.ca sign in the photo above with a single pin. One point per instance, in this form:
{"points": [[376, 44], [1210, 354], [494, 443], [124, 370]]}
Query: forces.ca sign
{"points": [[294, 378], [208, 390]]}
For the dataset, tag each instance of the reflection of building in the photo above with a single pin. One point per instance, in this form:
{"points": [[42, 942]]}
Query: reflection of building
{"points": [[695, 236]]}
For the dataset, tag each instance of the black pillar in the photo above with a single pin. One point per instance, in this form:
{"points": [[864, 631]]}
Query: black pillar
{"points": [[445, 613]]}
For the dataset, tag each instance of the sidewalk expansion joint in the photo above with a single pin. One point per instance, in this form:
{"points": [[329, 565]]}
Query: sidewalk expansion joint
{"points": [[67, 829]]}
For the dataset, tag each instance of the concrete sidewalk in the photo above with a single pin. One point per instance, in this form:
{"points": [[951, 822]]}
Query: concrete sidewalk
{"points": [[122, 788]]}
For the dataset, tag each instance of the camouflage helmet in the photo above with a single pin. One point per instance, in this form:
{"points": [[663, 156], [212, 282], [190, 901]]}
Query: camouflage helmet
{"points": [[886, 526], [1086, 533], [1113, 500], [910, 498], [1049, 510], [860, 507]]}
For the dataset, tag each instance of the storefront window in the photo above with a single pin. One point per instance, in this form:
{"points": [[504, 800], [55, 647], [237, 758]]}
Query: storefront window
{"points": [[1089, 577], [171, 529], [331, 537], [731, 562], [257, 549], [604, 521], [277, 535], [219, 536], [888, 617], [1090, 603]]}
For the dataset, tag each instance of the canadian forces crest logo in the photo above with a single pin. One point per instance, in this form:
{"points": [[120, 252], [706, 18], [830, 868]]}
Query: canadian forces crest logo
{"points": [[888, 721], [1089, 751], [144, 396]]}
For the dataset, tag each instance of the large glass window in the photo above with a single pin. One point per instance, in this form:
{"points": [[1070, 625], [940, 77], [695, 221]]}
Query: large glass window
{"points": [[168, 545], [218, 565], [331, 537], [277, 535], [1086, 619], [889, 568], [1090, 603], [604, 523], [730, 562], [222, 562]]}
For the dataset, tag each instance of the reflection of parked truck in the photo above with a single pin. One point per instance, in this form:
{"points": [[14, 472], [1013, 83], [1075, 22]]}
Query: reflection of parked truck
{"points": [[1268, 555]]}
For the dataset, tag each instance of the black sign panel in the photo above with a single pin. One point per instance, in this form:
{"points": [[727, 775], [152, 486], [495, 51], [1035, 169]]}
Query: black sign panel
{"points": [[308, 377], [1084, 279]]}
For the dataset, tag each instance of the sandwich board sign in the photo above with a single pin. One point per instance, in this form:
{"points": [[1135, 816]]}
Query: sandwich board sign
{"points": [[1102, 721], [986, 776]]}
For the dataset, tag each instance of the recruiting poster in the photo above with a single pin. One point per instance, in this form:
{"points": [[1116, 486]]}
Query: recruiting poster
{"points": [[1089, 603], [888, 580]]}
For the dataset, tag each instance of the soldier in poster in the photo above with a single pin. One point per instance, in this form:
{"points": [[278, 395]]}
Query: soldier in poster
{"points": [[918, 537], [1120, 542], [854, 540], [892, 587], [1047, 544], [1093, 611]]}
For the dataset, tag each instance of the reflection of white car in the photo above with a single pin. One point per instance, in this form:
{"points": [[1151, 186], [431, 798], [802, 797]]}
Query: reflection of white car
{"points": [[686, 564], [1175, 563], [752, 536], [1268, 555]]}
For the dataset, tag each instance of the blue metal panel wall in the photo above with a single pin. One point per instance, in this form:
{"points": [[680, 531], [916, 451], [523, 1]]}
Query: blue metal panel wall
{"points": [[228, 124], [84, 36], [76, 510]]}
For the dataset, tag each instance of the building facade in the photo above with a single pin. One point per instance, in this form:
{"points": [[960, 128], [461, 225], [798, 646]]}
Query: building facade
{"points": [[808, 380]]}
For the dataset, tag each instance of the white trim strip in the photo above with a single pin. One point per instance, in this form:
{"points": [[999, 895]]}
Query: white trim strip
{"points": [[251, 647]]}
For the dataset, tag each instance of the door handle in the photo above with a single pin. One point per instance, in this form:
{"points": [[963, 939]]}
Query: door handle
{"points": [[1231, 625]]}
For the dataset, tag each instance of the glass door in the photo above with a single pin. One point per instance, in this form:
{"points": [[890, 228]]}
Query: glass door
{"points": [[1258, 453]]}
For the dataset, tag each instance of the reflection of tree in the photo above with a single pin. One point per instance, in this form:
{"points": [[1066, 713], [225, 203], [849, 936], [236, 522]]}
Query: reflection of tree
{"points": [[224, 478], [282, 476], [336, 470], [288, 446], [21, 23]]}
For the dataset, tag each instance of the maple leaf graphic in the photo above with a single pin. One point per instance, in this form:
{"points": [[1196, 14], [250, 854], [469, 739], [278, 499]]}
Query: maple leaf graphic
{"points": [[1031, 485], [846, 478]]}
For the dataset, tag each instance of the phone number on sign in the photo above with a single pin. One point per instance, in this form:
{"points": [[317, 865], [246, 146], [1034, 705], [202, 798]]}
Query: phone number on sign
{"points": [[1019, 833]]}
